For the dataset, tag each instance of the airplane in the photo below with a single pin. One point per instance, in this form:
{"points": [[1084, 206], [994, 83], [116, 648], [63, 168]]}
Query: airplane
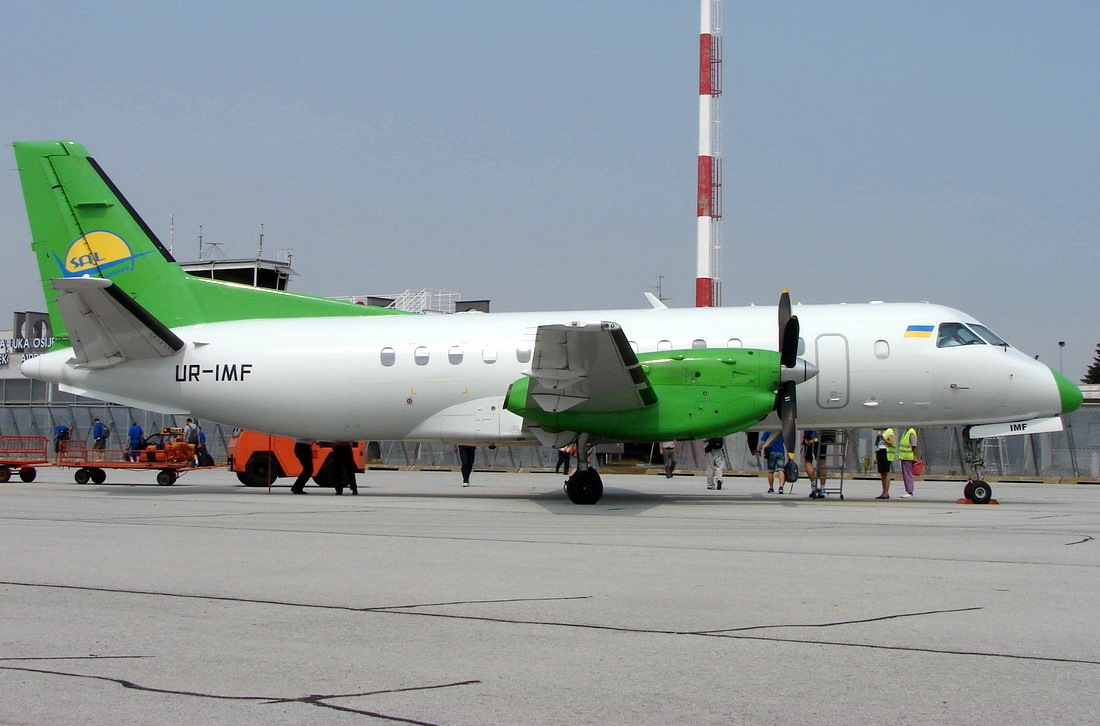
{"points": [[132, 327]]}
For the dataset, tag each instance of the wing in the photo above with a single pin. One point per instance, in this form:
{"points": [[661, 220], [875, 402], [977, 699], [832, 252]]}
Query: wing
{"points": [[586, 367], [107, 327]]}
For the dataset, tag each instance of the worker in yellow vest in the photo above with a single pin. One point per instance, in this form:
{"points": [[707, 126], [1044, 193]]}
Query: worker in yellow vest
{"points": [[907, 454]]}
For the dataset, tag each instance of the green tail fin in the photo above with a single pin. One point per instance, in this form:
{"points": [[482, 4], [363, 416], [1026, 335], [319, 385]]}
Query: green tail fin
{"points": [[81, 225]]}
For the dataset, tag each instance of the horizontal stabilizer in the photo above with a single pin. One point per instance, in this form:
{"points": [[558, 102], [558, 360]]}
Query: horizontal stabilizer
{"points": [[586, 367], [106, 326], [123, 400]]}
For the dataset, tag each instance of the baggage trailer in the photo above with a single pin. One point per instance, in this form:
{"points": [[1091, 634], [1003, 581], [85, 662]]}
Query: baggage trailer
{"points": [[22, 453], [172, 458]]}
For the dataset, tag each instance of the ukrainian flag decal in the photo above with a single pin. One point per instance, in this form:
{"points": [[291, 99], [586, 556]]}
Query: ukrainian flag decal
{"points": [[919, 331]]}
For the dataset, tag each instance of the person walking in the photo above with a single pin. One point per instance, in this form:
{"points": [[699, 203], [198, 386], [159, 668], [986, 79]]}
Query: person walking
{"points": [[191, 432], [303, 451], [907, 455], [884, 459], [716, 461], [772, 445], [346, 468], [100, 432], [811, 452], [563, 459], [668, 453], [202, 454], [466, 454], [135, 434]]}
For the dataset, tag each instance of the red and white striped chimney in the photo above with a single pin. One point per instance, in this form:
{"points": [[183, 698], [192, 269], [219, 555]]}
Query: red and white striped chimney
{"points": [[709, 244]]}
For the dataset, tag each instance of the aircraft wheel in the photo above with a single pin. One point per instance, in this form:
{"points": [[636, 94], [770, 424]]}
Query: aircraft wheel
{"points": [[980, 492], [82, 476], [968, 491], [584, 487], [261, 470], [98, 475], [5, 474], [166, 477], [28, 473]]}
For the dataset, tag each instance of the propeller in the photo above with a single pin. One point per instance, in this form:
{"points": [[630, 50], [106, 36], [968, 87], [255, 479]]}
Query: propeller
{"points": [[793, 370], [785, 404]]}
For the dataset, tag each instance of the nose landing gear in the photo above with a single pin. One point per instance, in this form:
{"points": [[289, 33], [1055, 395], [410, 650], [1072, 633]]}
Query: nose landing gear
{"points": [[977, 490]]}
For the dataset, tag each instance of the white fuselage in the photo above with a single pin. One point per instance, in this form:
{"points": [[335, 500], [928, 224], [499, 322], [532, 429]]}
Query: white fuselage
{"points": [[444, 377]]}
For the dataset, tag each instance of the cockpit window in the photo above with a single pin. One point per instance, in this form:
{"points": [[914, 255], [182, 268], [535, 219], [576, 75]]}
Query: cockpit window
{"points": [[988, 335], [952, 334]]}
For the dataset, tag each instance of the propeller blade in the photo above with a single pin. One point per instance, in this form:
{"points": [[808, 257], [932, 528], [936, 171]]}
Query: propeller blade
{"points": [[784, 313], [788, 412], [753, 438], [788, 344], [788, 356]]}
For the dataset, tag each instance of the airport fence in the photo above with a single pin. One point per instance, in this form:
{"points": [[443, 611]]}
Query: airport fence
{"points": [[1072, 452]]}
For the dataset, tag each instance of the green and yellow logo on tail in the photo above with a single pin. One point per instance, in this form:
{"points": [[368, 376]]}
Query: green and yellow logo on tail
{"points": [[99, 252]]}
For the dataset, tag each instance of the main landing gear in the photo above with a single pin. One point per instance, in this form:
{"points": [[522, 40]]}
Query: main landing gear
{"points": [[584, 486], [977, 489]]}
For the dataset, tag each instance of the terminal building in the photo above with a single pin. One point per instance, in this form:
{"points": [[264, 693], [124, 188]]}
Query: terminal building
{"points": [[33, 408]]}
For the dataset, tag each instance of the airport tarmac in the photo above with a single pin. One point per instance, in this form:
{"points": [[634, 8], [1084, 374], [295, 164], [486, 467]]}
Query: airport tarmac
{"points": [[421, 602]]}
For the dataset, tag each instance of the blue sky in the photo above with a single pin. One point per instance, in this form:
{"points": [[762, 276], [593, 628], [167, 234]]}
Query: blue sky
{"points": [[543, 155]]}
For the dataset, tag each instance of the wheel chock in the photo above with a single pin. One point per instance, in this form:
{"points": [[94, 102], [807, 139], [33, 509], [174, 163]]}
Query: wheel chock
{"points": [[971, 501]]}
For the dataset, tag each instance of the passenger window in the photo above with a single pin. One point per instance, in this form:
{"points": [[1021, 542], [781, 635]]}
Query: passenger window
{"points": [[489, 354], [420, 356], [664, 345], [633, 346], [953, 334], [387, 356], [523, 355], [882, 349], [734, 343], [698, 343], [454, 355]]}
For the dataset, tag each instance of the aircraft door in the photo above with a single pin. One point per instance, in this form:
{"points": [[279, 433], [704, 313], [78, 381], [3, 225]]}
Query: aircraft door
{"points": [[833, 370]]}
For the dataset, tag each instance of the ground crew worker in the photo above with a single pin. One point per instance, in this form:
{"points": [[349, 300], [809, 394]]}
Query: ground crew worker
{"points": [[907, 454], [884, 458]]}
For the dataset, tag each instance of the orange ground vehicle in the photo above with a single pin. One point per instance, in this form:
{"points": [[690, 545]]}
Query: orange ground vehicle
{"points": [[259, 459]]}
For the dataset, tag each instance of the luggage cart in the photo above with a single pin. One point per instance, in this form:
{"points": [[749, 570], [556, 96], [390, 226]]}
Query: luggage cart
{"points": [[172, 458], [22, 453]]}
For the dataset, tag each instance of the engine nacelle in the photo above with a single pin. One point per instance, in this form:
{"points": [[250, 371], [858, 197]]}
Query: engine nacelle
{"points": [[699, 394]]}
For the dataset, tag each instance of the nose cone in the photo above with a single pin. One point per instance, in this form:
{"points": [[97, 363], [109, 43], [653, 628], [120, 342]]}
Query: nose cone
{"points": [[1069, 393], [800, 372]]}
